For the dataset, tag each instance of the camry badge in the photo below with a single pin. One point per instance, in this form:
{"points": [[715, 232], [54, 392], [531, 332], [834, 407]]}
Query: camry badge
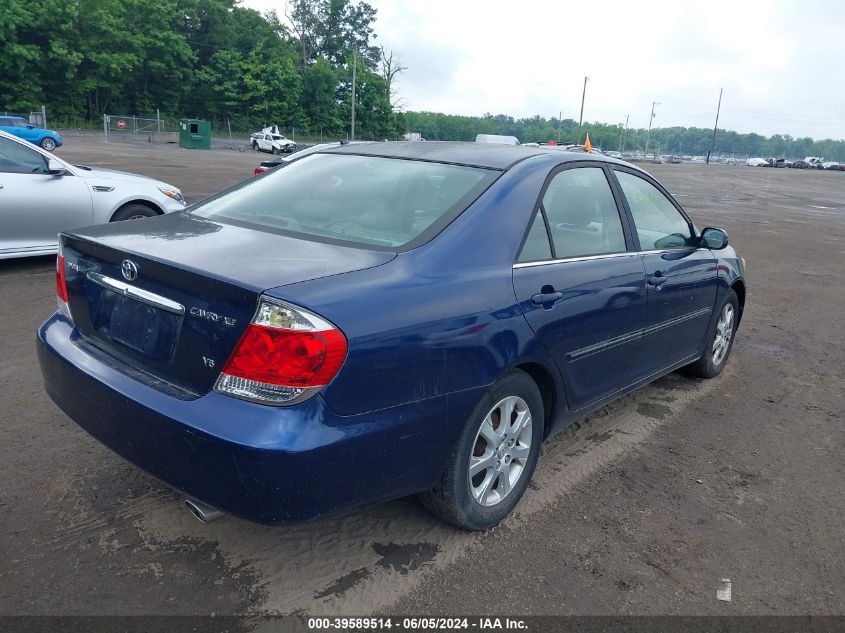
{"points": [[129, 269]]}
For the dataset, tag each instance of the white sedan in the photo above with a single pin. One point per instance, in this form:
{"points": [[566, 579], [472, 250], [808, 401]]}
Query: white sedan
{"points": [[40, 195]]}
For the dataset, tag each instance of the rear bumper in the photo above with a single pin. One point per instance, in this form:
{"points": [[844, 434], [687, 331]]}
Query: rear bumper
{"points": [[264, 464]]}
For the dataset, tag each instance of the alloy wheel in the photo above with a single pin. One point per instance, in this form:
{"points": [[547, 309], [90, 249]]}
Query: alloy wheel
{"points": [[500, 451], [724, 332]]}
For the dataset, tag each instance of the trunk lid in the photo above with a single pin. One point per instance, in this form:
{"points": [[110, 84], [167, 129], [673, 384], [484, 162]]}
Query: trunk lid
{"points": [[190, 290]]}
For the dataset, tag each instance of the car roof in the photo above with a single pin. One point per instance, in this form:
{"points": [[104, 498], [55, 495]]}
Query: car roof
{"points": [[487, 155]]}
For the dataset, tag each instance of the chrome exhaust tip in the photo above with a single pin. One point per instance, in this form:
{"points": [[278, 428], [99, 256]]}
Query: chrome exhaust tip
{"points": [[202, 511]]}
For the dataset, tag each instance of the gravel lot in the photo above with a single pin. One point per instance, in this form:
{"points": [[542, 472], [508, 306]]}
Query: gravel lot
{"points": [[642, 510]]}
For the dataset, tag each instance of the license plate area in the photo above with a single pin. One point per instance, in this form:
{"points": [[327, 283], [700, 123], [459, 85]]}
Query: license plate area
{"points": [[131, 323]]}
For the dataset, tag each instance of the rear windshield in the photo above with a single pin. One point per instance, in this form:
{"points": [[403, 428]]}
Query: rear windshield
{"points": [[363, 200]]}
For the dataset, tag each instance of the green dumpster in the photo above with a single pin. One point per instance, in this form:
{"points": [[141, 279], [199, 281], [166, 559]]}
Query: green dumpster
{"points": [[195, 134]]}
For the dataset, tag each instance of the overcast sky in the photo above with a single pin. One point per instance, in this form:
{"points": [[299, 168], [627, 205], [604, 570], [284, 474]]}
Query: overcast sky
{"points": [[781, 64]]}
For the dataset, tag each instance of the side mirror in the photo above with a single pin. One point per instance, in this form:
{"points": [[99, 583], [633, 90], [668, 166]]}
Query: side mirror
{"points": [[30, 126], [713, 238], [55, 168]]}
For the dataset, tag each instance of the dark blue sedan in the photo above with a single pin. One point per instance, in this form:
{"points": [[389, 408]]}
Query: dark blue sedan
{"points": [[381, 320]]}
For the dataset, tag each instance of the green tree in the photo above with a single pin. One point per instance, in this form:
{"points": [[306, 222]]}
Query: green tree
{"points": [[320, 83]]}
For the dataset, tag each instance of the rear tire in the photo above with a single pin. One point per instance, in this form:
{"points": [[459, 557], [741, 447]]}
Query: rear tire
{"points": [[720, 340], [501, 443], [133, 212], [254, 146], [48, 144]]}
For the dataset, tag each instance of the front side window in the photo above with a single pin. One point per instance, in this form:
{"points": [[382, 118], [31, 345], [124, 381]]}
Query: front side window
{"points": [[17, 159], [582, 214], [363, 200], [658, 223]]}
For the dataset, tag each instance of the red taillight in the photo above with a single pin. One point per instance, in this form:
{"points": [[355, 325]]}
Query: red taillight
{"points": [[259, 170], [61, 282], [284, 356], [288, 358]]}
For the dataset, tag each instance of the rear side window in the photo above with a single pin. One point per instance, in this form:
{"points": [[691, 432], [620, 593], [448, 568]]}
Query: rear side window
{"points": [[358, 199], [658, 223], [536, 247], [582, 214]]}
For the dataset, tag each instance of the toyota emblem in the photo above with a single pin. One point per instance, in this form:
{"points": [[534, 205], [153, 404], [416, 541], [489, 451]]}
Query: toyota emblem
{"points": [[129, 269]]}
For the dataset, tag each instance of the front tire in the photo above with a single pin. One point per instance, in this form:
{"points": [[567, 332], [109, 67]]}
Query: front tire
{"points": [[720, 340], [133, 212], [494, 459], [48, 144]]}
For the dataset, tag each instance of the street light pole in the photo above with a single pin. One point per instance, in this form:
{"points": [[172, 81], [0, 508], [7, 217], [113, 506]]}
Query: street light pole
{"points": [[650, 119], [718, 108], [581, 119], [354, 68], [624, 134], [559, 117]]}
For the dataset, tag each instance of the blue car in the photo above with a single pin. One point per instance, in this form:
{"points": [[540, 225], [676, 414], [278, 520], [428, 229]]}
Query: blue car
{"points": [[20, 127], [380, 320]]}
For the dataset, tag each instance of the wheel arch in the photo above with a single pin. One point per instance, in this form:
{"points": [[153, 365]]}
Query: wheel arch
{"points": [[739, 288], [545, 382], [146, 203]]}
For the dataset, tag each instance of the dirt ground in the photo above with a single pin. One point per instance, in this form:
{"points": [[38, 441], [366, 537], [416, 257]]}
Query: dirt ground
{"points": [[641, 511]]}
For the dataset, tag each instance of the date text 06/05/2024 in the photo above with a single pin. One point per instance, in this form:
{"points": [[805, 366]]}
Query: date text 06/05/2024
{"points": [[417, 624]]}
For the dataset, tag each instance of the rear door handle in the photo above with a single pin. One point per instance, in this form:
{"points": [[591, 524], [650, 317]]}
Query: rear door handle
{"points": [[657, 280], [546, 297]]}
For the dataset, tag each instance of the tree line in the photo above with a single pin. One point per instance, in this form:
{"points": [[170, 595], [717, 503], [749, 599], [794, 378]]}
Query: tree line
{"points": [[210, 59], [216, 60], [669, 140]]}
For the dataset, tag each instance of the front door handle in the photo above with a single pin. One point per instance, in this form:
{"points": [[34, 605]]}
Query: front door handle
{"points": [[546, 297], [657, 280]]}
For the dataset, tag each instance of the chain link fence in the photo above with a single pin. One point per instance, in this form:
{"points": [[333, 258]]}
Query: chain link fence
{"points": [[225, 135], [38, 118], [147, 129]]}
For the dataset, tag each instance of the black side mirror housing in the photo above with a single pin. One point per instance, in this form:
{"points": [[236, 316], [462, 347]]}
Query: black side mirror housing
{"points": [[713, 238]]}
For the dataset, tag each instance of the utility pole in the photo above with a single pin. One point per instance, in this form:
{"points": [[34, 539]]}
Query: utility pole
{"points": [[713, 145], [581, 119], [624, 134], [559, 117], [650, 119], [354, 68]]}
